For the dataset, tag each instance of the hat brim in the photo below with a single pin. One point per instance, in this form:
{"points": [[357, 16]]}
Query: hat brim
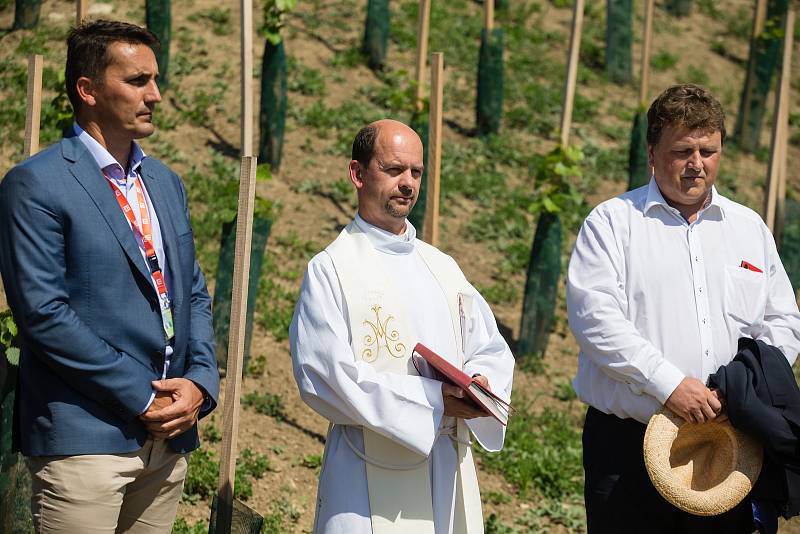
{"points": [[741, 460]]}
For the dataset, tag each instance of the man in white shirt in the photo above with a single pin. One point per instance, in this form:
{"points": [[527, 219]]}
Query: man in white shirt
{"points": [[662, 283], [397, 457]]}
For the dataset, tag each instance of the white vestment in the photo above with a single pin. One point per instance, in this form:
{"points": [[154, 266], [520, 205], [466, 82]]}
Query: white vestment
{"points": [[407, 409]]}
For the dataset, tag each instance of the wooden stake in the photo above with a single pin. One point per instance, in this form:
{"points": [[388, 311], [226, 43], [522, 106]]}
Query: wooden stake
{"points": [[233, 380], [780, 128], [247, 77], [488, 15], [423, 22], [785, 89], [431, 233], [759, 19], [646, 45], [81, 11], [572, 71], [34, 111]]}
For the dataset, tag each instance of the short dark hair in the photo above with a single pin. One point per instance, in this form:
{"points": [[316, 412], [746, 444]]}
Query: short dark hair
{"points": [[87, 50], [687, 105], [364, 144]]}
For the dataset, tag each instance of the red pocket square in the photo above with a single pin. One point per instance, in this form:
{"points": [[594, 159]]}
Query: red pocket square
{"points": [[750, 267]]}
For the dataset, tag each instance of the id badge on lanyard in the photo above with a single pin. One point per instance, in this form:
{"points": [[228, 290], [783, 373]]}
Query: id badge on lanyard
{"points": [[166, 316], [144, 232]]}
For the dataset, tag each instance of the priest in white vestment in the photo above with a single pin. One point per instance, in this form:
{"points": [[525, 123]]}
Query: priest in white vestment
{"points": [[398, 455]]}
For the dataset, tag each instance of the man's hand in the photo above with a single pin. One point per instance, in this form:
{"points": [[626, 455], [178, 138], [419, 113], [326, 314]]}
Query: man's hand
{"points": [[165, 420], [455, 404], [722, 416], [161, 400], [693, 401]]}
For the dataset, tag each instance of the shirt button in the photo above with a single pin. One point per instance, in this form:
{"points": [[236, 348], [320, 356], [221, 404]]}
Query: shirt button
{"points": [[704, 321], [707, 351]]}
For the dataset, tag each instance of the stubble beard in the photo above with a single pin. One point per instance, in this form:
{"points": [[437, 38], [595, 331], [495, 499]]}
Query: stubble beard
{"points": [[398, 212]]}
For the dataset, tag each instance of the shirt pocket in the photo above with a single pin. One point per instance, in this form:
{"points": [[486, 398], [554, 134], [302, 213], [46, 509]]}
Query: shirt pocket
{"points": [[744, 295]]}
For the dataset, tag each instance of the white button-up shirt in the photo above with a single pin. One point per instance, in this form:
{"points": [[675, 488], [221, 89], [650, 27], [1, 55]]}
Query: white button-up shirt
{"points": [[653, 299]]}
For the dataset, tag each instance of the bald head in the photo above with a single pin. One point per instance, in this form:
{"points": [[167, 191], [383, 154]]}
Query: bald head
{"points": [[382, 132], [386, 170]]}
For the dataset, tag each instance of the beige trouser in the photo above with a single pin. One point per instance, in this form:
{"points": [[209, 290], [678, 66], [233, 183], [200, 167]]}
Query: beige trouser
{"points": [[135, 493]]}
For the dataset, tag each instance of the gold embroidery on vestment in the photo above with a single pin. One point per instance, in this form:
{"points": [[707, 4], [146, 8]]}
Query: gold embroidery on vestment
{"points": [[381, 338]]}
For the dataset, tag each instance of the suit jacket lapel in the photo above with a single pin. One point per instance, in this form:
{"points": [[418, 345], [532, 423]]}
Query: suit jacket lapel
{"points": [[84, 168], [158, 196]]}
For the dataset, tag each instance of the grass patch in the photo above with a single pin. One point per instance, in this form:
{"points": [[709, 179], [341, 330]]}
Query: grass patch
{"points": [[181, 526], [211, 432], [202, 475], [565, 392], [542, 453], [663, 60], [281, 518], [305, 80], [311, 461], [217, 18], [495, 497], [696, 75], [266, 404]]}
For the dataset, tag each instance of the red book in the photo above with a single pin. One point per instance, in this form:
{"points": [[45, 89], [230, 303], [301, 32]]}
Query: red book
{"points": [[431, 365]]}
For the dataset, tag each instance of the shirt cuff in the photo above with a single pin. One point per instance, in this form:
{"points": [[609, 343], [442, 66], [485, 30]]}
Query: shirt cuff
{"points": [[149, 402], [664, 381]]}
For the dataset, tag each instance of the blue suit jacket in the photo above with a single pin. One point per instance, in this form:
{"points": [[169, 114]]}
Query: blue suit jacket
{"points": [[90, 324]]}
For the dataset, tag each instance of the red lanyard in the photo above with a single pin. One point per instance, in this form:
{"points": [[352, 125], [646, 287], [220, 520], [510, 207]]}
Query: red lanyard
{"points": [[144, 232]]}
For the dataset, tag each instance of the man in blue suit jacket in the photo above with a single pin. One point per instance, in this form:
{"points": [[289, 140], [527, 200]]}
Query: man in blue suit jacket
{"points": [[98, 263]]}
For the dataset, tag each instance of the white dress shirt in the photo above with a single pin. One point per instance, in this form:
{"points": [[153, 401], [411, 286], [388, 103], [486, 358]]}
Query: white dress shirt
{"points": [[653, 299]]}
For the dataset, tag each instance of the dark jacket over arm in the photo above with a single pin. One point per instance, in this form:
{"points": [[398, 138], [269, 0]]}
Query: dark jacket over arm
{"points": [[763, 400]]}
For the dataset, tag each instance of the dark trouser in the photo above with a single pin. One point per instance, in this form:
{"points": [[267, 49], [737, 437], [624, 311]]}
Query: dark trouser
{"points": [[619, 495]]}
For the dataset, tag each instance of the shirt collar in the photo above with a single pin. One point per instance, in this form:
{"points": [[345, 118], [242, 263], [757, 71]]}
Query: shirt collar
{"points": [[388, 242], [655, 198], [103, 157]]}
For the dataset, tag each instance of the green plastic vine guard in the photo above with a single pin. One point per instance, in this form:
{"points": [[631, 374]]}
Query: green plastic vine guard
{"points": [[790, 241], [619, 37], [376, 33], [419, 123], [638, 169], [765, 51], [26, 14], [541, 287], [272, 114], [244, 520], [158, 17], [15, 482], [489, 102], [224, 286]]}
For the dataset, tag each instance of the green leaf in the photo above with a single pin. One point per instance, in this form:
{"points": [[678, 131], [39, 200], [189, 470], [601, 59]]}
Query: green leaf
{"points": [[549, 205], [285, 5], [273, 37], [12, 355], [263, 172], [263, 208], [561, 169]]}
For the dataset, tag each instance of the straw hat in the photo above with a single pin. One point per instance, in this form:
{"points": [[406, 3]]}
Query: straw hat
{"points": [[704, 469]]}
